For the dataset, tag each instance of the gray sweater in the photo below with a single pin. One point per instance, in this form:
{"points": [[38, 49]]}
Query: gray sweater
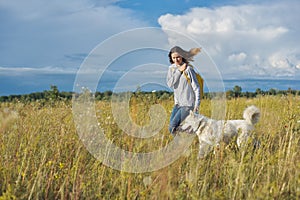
{"points": [[185, 93]]}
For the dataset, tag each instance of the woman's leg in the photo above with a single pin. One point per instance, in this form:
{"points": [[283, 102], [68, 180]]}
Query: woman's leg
{"points": [[177, 116], [174, 112]]}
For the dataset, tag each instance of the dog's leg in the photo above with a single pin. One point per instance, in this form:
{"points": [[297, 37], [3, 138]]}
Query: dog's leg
{"points": [[229, 132], [242, 139], [204, 149]]}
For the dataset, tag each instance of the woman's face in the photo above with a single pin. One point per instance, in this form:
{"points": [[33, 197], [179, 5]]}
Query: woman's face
{"points": [[176, 58]]}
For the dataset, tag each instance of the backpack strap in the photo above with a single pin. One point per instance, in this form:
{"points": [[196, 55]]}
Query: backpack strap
{"points": [[187, 77]]}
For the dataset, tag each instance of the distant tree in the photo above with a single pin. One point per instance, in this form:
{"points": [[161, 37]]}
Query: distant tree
{"points": [[107, 95], [98, 95], [237, 90], [229, 94], [3, 98], [272, 91], [291, 91], [53, 93], [66, 95], [282, 92], [248, 94], [258, 91]]}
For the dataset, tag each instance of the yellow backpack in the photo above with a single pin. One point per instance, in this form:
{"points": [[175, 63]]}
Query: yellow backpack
{"points": [[199, 79]]}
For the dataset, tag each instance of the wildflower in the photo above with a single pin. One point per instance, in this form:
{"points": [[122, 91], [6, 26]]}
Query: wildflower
{"points": [[147, 180]]}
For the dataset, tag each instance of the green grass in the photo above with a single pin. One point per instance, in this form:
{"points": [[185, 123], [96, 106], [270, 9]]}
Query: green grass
{"points": [[42, 156]]}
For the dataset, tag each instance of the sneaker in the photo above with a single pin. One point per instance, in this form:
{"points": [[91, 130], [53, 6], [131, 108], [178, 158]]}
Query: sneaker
{"points": [[174, 132]]}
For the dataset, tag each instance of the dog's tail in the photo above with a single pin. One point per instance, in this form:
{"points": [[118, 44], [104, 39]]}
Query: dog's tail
{"points": [[251, 114]]}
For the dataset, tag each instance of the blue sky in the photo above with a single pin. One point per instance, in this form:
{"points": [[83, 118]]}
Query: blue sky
{"points": [[44, 43]]}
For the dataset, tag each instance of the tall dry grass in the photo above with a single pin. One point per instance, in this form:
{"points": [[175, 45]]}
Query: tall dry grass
{"points": [[42, 156]]}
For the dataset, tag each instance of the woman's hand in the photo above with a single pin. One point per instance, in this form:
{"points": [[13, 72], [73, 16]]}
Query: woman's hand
{"points": [[196, 110], [182, 67]]}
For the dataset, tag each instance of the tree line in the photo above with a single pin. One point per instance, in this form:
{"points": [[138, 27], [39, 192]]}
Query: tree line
{"points": [[237, 92], [53, 94]]}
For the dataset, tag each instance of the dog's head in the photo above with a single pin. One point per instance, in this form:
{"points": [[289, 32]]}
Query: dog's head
{"points": [[191, 123]]}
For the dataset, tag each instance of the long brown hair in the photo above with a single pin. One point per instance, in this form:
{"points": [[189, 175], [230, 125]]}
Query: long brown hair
{"points": [[187, 56]]}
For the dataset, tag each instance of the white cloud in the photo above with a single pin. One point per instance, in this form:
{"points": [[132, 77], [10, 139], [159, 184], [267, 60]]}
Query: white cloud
{"points": [[237, 57], [21, 71], [279, 62], [245, 41], [40, 33]]}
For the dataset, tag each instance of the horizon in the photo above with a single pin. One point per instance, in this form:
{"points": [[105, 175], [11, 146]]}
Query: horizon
{"points": [[229, 87]]}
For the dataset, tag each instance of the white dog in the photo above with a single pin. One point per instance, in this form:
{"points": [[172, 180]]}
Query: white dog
{"points": [[211, 132]]}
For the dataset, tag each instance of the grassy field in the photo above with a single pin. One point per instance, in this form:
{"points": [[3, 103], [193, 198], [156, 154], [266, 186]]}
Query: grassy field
{"points": [[42, 156]]}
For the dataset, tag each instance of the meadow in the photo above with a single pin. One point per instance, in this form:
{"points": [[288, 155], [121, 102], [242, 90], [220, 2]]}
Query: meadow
{"points": [[42, 156]]}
